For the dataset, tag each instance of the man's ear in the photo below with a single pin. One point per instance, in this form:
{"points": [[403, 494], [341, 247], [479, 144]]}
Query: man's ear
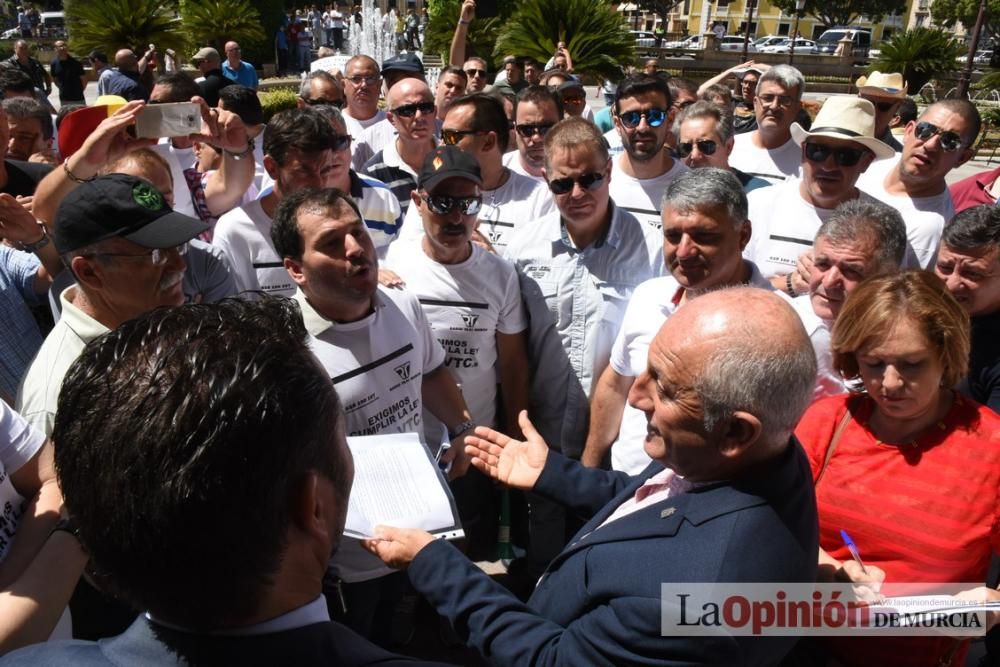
{"points": [[309, 506], [741, 432], [271, 167], [88, 272], [294, 268]]}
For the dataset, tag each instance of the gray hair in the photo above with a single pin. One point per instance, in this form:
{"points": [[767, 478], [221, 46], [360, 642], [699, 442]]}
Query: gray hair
{"points": [[787, 76], [742, 372], [879, 226], [323, 75], [705, 109], [707, 189]]}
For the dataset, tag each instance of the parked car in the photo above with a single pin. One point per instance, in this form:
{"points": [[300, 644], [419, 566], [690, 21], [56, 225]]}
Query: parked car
{"points": [[644, 39], [769, 40], [735, 43], [801, 46], [827, 42], [982, 57], [692, 42]]}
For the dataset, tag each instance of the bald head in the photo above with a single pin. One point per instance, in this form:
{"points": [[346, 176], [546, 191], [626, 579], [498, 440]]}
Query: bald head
{"points": [[125, 60], [408, 89]]}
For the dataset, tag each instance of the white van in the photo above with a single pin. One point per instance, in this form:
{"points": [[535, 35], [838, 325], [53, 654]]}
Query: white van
{"points": [[861, 37]]}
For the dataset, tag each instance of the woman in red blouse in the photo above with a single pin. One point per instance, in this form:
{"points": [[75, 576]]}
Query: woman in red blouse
{"points": [[908, 467]]}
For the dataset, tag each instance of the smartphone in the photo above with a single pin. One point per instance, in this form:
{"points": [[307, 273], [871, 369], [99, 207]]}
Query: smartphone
{"points": [[178, 119], [486, 9]]}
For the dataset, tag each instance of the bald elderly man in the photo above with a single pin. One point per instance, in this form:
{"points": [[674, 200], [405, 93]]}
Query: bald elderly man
{"points": [[727, 479], [123, 79]]}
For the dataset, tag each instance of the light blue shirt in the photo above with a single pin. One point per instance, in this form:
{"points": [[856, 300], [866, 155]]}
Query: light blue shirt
{"points": [[21, 336], [576, 299], [245, 75]]}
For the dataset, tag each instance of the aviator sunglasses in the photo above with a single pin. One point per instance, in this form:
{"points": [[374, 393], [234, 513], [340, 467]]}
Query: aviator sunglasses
{"points": [[844, 157], [445, 204], [410, 110], [591, 181], [706, 146], [950, 141]]}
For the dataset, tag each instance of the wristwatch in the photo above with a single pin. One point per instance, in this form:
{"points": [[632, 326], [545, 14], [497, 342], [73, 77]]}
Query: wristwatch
{"points": [[460, 429], [39, 244]]}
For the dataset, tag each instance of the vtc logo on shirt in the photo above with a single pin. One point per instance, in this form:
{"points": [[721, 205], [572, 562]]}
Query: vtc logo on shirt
{"points": [[403, 371], [470, 320]]}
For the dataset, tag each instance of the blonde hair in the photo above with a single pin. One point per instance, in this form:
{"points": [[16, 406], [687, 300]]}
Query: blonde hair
{"points": [[880, 303]]}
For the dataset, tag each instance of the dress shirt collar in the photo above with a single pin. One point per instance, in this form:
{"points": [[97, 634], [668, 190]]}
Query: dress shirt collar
{"points": [[310, 614]]}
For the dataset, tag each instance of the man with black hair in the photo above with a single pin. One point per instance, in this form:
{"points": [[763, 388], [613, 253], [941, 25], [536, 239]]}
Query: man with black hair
{"points": [[16, 83], [968, 261], [225, 573], [639, 175], [17, 178], [383, 357], [478, 125], [30, 130], [536, 111]]}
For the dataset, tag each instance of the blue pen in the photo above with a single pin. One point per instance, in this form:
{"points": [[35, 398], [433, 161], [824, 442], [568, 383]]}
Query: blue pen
{"points": [[853, 548]]}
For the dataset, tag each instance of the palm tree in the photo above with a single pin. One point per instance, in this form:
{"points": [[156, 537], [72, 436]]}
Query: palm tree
{"points": [[110, 25], [595, 34], [482, 33], [920, 54], [214, 22]]}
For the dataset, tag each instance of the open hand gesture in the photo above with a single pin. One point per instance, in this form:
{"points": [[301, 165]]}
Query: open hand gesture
{"points": [[516, 463]]}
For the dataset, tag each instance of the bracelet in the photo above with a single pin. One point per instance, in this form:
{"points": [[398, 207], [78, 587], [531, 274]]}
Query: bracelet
{"points": [[461, 22], [73, 177], [460, 429], [40, 243], [240, 156], [788, 286], [67, 525]]}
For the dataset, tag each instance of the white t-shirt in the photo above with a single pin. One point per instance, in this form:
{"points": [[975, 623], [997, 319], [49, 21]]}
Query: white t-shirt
{"points": [[925, 217], [19, 441], [642, 197], [521, 200], [374, 138], [466, 304], [244, 234], [828, 380], [179, 159], [651, 304], [773, 165], [512, 161], [784, 226], [377, 366]]}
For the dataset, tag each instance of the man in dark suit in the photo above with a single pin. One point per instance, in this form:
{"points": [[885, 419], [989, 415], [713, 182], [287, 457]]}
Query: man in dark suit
{"points": [[202, 459], [728, 498]]}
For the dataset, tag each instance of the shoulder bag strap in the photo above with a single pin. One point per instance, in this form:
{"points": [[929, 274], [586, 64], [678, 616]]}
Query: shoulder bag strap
{"points": [[844, 421]]}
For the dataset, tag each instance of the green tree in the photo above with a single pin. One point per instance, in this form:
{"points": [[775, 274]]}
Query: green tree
{"points": [[920, 54], [845, 12], [661, 8], [595, 34], [482, 35], [215, 22], [110, 25], [947, 13]]}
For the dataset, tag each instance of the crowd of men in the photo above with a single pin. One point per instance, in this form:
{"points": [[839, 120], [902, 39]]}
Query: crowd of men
{"points": [[193, 325]]}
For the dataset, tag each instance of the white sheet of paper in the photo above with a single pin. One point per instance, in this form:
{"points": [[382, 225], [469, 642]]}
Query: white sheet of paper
{"points": [[397, 483]]}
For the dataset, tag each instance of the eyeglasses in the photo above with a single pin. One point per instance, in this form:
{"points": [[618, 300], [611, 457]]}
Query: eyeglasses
{"points": [[844, 157], [452, 137], [528, 131], [159, 256], [950, 141], [233, 50], [319, 101], [654, 117], [475, 72], [589, 182], [357, 80], [410, 110], [572, 99], [769, 98], [705, 146], [340, 141], [445, 204]]}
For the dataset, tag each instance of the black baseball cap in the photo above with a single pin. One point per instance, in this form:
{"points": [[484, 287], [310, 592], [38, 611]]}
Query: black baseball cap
{"points": [[405, 62], [448, 162], [570, 84], [123, 206]]}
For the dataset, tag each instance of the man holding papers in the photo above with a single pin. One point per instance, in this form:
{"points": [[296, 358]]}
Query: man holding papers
{"points": [[727, 498], [376, 346]]}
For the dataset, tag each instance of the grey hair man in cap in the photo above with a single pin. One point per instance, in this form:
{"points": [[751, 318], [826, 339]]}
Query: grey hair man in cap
{"points": [[209, 63], [125, 247]]}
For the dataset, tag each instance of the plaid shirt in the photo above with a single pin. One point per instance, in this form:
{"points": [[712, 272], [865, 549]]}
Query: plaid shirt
{"points": [[20, 337]]}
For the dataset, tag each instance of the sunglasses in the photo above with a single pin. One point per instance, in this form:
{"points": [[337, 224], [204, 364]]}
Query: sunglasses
{"points": [[340, 141], [475, 72], [410, 110], [319, 101], [591, 181], [452, 137], [768, 98], [844, 157], [654, 117], [528, 131], [705, 146], [950, 141], [445, 204]]}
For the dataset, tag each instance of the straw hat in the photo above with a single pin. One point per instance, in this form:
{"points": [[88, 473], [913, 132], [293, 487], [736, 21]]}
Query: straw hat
{"points": [[890, 84], [845, 117]]}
